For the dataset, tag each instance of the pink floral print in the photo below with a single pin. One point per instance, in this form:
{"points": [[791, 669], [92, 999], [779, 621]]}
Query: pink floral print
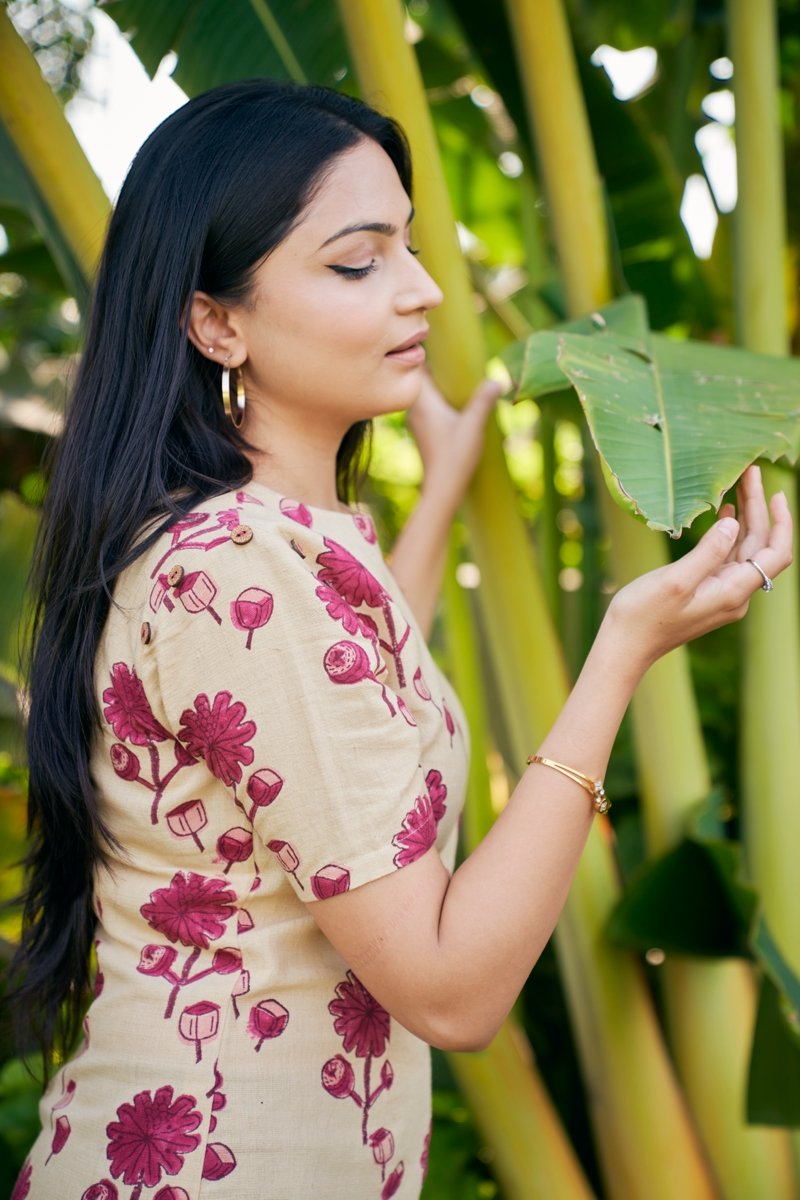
{"points": [[363, 1024], [104, 1189], [218, 1161], [151, 1136], [23, 1184], [192, 910], [365, 527], [361, 1021], [267, 1020], [347, 662], [342, 571], [128, 711], [129, 714], [437, 790], [296, 512], [418, 833], [251, 610], [219, 734], [349, 577]]}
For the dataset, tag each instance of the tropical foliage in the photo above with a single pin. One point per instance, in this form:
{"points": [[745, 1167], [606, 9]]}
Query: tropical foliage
{"points": [[669, 1006]]}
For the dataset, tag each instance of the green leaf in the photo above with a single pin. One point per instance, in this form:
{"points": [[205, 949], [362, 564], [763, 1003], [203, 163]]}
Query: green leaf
{"points": [[675, 423], [695, 901], [18, 190], [692, 900], [773, 1084], [217, 42]]}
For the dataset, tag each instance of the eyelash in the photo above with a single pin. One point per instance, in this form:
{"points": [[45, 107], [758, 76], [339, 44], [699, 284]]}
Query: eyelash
{"points": [[361, 272]]}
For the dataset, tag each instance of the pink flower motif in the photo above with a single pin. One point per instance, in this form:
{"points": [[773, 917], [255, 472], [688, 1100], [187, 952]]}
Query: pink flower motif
{"points": [[349, 577], [151, 1136], [267, 1020], [251, 610], [450, 724], [393, 1182], [219, 734], [263, 787], [196, 591], [347, 662], [235, 845], [172, 1193], [418, 833], [382, 1144], [187, 820], [330, 881], [296, 512], [192, 910], [405, 711], [23, 1184], [365, 527], [229, 518], [103, 1190], [199, 1023], [437, 790], [218, 1162], [246, 498], [189, 521], [156, 960], [124, 762], [338, 1077], [127, 709], [360, 1020], [423, 1158]]}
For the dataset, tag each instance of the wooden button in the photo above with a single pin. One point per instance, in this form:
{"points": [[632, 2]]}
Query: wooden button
{"points": [[175, 576], [145, 633], [241, 534]]}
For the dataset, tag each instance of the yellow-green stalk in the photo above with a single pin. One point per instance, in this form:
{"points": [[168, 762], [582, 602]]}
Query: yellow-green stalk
{"points": [[770, 765], [646, 1139], [710, 1004], [520, 1131], [35, 122]]}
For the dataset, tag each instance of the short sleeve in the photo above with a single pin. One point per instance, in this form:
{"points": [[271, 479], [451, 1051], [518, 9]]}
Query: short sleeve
{"points": [[276, 665]]}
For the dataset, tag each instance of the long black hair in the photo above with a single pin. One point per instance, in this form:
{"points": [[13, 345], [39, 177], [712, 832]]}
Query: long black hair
{"points": [[211, 192]]}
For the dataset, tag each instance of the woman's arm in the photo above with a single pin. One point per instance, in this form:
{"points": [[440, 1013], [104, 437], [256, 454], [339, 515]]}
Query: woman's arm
{"points": [[448, 956], [450, 444]]}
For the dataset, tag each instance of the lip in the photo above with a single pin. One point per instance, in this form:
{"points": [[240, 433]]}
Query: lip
{"points": [[411, 344]]}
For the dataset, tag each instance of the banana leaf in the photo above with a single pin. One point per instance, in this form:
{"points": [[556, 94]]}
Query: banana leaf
{"points": [[694, 900], [675, 422]]}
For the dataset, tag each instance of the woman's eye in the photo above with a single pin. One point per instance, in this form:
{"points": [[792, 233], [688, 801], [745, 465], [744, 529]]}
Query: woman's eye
{"points": [[353, 272]]}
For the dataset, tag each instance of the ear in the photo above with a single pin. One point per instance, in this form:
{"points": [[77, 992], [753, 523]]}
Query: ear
{"points": [[214, 330]]}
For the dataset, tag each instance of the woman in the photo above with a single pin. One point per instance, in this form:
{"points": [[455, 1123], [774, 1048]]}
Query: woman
{"points": [[246, 770]]}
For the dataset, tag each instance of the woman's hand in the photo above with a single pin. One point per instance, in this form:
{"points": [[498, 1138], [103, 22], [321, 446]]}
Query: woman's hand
{"points": [[710, 586], [450, 441]]}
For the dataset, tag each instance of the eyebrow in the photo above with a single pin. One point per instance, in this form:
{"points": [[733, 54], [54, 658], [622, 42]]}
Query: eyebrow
{"points": [[367, 227]]}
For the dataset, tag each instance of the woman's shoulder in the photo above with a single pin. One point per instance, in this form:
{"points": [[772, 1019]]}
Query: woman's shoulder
{"points": [[242, 532]]}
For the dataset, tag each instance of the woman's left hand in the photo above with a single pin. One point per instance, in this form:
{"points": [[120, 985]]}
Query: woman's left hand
{"points": [[450, 440]]}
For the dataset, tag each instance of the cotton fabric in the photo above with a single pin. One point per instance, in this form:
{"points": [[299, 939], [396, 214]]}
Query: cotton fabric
{"points": [[274, 732]]}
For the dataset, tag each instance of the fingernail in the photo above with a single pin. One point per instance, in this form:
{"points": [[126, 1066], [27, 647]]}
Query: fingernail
{"points": [[728, 527]]}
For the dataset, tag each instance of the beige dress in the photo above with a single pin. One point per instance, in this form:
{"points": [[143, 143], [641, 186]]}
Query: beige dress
{"points": [[274, 732]]}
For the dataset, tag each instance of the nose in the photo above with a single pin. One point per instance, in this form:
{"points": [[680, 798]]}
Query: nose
{"points": [[420, 290]]}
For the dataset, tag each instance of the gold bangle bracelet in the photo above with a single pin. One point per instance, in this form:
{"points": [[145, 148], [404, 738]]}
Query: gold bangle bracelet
{"points": [[594, 787]]}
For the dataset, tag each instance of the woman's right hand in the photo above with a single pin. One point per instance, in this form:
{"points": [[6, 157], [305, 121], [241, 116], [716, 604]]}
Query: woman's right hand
{"points": [[711, 585]]}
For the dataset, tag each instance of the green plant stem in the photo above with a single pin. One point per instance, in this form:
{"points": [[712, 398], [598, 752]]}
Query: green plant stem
{"points": [[770, 748], [35, 122], [664, 710]]}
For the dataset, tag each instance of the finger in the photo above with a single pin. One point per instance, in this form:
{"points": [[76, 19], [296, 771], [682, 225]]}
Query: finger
{"points": [[776, 554], [485, 396], [753, 512], [710, 553]]}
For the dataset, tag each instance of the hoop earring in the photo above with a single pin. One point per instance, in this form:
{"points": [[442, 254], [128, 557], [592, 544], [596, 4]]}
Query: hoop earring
{"points": [[234, 404]]}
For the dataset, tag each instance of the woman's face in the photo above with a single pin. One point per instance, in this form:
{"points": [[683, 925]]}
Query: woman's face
{"points": [[336, 317]]}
